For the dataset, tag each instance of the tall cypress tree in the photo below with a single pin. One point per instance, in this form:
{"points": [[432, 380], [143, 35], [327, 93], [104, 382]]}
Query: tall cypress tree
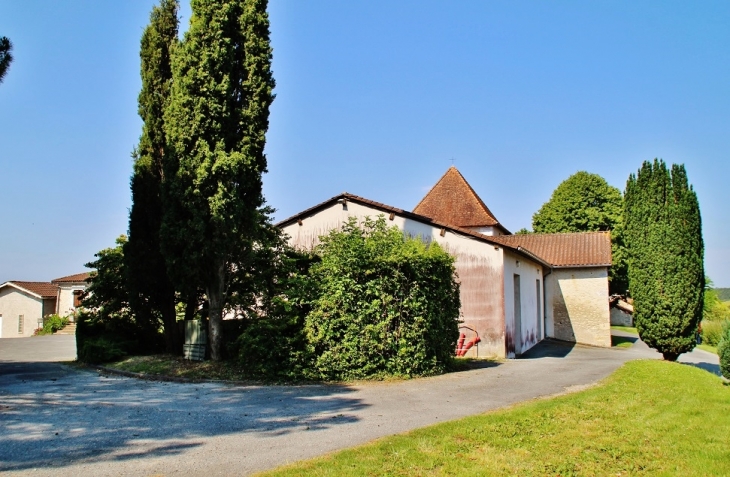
{"points": [[152, 295], [666, 269], [216, 123]]}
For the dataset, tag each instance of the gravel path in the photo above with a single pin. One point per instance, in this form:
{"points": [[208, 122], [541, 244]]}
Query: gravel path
{"points": [[56, 420]]}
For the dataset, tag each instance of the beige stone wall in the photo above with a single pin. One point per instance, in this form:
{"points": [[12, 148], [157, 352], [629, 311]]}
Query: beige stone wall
{"points": [[13, 304], [577, 306]]}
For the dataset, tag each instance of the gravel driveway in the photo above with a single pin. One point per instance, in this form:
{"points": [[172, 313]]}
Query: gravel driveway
{"points": [[56, 420]]}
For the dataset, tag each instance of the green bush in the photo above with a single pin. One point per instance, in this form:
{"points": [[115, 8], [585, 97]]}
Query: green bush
{"points": [[100, 350], [711, 332], [723, 350], [385, 305], [51, 324]]}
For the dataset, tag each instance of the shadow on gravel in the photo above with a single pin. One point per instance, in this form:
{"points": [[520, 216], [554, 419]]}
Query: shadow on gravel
{"points": [[548, 348], [53, 415]]}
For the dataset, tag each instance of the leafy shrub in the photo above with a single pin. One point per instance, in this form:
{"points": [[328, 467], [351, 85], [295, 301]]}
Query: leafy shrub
{"points": [[273, 344], [384, 305], [100, 350], [723, 349], [711, 332]]}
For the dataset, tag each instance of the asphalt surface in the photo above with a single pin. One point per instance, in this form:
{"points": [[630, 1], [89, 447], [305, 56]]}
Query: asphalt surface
{"points": [[57, 420]]}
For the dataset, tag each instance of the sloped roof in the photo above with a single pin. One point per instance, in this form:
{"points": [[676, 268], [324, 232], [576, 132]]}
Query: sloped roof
{"points": [[453, 201], [403, 213], [585, 249], [42, 289], [79, 277]]}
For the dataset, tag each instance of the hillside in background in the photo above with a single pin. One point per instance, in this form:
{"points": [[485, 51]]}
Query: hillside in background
{"points": [[723, 293]]}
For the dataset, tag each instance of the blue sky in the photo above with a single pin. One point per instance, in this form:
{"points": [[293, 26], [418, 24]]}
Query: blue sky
{"points": [[375, 98]]}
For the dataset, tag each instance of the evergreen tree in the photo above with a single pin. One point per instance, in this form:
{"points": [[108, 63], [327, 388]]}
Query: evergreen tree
{"points": [[665, 250], [152, 295], [585, 202], [5, 56], [216, 123]]}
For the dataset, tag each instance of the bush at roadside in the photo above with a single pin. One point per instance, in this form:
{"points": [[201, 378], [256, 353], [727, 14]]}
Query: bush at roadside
{"points": [[51, 324], [723, 350], [712, 332]]}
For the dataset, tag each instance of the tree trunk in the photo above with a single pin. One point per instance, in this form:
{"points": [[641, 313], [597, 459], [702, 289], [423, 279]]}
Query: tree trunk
{"points": [[169, 319], [215, 291], [670, 356]]}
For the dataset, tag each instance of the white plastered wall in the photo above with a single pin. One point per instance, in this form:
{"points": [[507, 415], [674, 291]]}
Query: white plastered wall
{"points": [[577, 306], [531, 310], [13, 304], [478, 265], [66, 298]]}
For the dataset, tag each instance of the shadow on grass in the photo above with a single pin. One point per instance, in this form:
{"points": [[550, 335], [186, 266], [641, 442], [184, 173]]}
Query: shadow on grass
{"points": [[623, 341], [709, 367], [54, 416]]}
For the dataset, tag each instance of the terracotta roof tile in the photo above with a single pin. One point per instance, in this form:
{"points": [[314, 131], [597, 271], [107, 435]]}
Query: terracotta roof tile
{"points": [[453, 201], [44, 289], [565, 250], [79, 277]]}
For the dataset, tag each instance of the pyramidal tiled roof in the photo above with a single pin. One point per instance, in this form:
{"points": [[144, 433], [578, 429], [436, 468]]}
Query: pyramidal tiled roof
{"points": [[453, 201], [583, 249]]}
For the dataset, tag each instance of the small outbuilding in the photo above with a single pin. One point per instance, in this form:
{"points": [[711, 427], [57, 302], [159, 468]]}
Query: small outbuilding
{"points": [[515, 289]]}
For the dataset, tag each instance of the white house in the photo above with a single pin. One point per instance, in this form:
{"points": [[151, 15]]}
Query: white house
{"points": [[23, 305], [515, 289]]}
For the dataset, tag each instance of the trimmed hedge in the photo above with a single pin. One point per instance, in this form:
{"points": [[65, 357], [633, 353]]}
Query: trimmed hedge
{"points": [[385, 305]]}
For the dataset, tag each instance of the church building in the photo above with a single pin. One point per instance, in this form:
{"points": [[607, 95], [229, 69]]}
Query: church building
{"points": [[515, 289]]}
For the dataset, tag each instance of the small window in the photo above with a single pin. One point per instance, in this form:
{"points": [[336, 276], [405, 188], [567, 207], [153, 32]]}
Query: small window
{"points": [[21, 319]]}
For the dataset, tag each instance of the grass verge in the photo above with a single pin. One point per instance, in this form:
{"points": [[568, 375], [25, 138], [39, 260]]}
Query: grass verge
{"points": [[628, 329], [622, 342], [649, 418], [175, 366]]}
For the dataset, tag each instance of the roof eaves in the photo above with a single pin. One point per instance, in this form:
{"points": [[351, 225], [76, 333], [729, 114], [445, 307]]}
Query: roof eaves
{"points": [[15, 285]]}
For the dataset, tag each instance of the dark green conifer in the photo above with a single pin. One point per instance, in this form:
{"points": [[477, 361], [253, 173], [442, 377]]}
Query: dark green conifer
{"points": [[663, 231], [6, 46], [216, 124], [152, 295]]}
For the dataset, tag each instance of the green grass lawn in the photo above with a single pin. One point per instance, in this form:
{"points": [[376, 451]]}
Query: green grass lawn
{"points": [[648, 418], [628, 329], [622, 341]]}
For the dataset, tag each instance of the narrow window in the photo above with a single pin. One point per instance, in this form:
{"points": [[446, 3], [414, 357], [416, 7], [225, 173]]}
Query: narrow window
{"points": [[538, 295], [21, 319]]}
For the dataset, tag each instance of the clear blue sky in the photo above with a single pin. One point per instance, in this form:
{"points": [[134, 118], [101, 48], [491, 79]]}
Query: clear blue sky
{"points": [[375, 98]]}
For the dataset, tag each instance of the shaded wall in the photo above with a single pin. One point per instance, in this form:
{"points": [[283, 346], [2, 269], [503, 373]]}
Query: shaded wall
{"points": [[522, 336], [577, 305]]}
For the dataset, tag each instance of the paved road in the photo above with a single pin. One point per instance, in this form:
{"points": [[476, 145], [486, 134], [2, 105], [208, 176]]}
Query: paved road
{"points": [[55, 420]]}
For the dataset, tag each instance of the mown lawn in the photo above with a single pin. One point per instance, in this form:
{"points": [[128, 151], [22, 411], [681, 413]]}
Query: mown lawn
{"points": [[648, 418], [628, 329]]}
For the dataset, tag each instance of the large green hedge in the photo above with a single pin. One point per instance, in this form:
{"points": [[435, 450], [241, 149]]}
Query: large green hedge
{"points": [[385, 305]]}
